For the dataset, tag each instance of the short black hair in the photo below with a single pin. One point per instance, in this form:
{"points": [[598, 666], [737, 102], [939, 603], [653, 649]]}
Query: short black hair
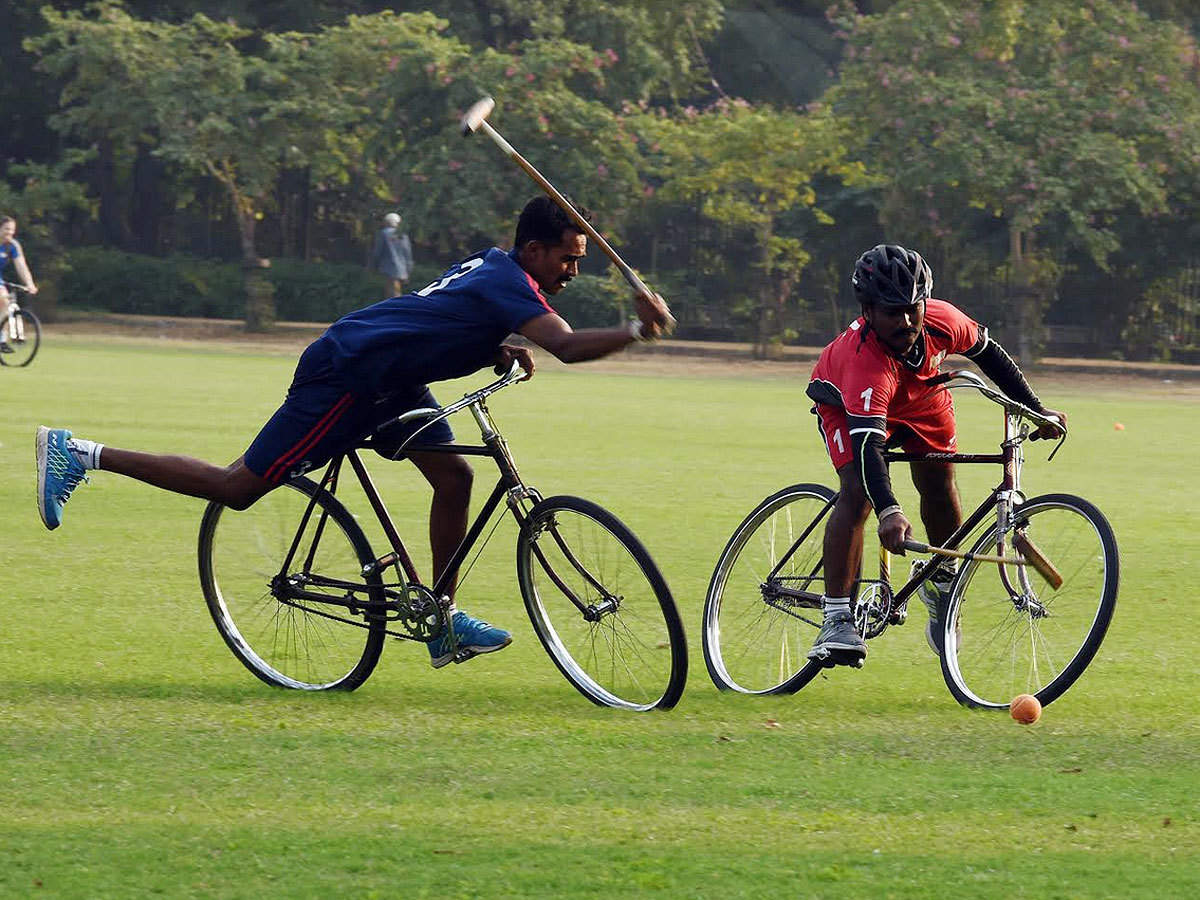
{"points": [[544, 220]]}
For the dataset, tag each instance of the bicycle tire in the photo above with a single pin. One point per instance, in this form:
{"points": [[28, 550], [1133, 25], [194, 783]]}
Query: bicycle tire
{"points": [[762, 648], [285, 645], [994, 648], [632, 657], [26, 347]]}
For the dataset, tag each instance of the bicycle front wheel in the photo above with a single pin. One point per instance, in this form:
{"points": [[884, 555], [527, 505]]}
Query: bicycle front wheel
{"points": [[1032, 639], [762, 610], [300, 643], [600, 606], [22, 332]]}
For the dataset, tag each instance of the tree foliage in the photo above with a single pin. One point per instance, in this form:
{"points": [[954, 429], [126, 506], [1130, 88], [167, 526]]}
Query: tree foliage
{"points": [[748, 168], [1019, 144], [1055, 111]]}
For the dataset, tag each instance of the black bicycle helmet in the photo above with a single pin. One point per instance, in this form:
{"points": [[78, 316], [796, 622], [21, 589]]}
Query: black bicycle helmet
{"points": [[891, 275]]}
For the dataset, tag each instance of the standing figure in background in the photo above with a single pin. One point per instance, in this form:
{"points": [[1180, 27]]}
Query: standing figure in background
{"points": [[392, 254]]}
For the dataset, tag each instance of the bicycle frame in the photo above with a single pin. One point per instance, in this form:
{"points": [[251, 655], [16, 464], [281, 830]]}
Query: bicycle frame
{"points": [[10, 322], [509, 488], [1002, 499]]}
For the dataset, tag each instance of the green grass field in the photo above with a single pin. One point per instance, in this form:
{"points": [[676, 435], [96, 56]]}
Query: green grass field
{"points": [[139, 758]]}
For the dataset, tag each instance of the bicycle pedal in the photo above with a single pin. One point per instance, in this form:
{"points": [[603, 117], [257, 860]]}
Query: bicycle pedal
{"points": [[830, 659]]}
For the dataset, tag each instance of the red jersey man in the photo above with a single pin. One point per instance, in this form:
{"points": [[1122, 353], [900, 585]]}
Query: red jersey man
{"points": [[871, 388]]}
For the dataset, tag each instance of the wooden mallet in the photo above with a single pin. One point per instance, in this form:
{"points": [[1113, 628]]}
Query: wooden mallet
{"points": [[1030, 556], [476, 120]]}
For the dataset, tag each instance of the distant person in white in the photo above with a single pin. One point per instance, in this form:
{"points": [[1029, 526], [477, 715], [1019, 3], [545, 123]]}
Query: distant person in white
{"points": [[392, 254]]}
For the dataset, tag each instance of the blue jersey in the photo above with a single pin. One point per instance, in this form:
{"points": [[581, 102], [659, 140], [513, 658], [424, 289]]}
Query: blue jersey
{"points": [[8, 252], [449, 329]]}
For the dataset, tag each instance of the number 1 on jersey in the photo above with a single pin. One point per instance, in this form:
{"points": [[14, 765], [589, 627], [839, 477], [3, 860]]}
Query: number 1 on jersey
{"points": [[866, 396]]}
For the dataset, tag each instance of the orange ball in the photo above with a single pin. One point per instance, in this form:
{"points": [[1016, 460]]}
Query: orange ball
{"points": [[1117, 426], [1025, 708]]}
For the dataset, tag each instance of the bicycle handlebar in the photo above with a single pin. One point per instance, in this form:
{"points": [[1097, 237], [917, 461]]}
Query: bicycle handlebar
{"points": [[433, 414], [966, 378], [13, 284], [512, 376]]}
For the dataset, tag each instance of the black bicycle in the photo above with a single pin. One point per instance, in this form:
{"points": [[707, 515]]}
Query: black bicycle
{"points": [[304, 602], [20, 330], [1026, 613]]}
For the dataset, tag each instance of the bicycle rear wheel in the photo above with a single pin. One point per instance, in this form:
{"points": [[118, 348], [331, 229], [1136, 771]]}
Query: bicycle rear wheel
{"points": [[756, 634], [998, 645], [23, 333], [291, 642], [626, 648]]}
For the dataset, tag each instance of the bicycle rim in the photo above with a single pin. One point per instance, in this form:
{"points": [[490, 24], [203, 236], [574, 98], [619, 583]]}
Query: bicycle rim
{"points": [[634, 655], [754, 641], [999, 646], [23, 333], [292, 646]]}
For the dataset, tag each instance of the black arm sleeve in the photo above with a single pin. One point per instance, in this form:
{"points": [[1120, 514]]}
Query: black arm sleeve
{"points": [[997, 365], [867, 446]]}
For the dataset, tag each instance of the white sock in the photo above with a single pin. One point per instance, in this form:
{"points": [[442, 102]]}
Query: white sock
{"points": [[87, 452], [831, 605]]}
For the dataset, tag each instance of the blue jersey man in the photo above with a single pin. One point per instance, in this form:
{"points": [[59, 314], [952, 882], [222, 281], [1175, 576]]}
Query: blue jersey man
{"points": [[374, 364]]}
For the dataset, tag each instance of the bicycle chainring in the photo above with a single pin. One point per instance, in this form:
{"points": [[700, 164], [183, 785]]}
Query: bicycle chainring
{"points": [[417, 617], [872, 611]]}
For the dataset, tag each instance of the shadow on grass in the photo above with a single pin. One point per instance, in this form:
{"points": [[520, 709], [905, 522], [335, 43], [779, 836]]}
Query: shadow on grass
{"points": [[135, 689], [450, 697]]}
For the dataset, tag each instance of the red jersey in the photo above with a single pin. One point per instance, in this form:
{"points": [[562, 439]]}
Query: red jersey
{"points": [[862, 376]]}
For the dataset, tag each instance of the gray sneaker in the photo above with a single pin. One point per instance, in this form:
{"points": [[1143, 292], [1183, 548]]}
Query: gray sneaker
{"points": [[931, 595], [935, 596], [838, 642]]}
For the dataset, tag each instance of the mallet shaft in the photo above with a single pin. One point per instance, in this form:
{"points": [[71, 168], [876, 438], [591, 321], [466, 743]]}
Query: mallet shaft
{"points": [[584, 225]]}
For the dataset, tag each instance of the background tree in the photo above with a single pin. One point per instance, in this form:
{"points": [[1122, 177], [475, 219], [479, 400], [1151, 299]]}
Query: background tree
{"points": [[330, 112], [749, 168], [1055, 111], [41, 197]]}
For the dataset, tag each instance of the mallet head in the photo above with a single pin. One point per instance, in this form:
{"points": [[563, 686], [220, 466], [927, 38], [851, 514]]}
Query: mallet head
{"points": [[479, 111]]}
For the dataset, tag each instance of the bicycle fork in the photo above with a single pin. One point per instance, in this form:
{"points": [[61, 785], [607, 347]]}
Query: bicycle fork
{"points": [[14, 325]]}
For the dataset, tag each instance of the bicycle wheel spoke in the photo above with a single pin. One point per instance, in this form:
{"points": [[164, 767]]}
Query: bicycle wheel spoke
{"points": [[289, 643], [750, 643], [1039, 641], [628, 650]]}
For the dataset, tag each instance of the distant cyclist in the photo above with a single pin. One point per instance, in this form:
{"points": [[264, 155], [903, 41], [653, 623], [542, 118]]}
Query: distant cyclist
{"points": [[871, 390], [11, 252], [371, 366]]}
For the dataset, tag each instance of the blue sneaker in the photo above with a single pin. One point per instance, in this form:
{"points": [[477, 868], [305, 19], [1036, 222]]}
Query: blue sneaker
{"points": [[58, 474], [474, 637]]}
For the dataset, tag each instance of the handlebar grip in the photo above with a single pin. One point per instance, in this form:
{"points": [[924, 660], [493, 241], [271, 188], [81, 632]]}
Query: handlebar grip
{"points": [[1036, 437]]}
